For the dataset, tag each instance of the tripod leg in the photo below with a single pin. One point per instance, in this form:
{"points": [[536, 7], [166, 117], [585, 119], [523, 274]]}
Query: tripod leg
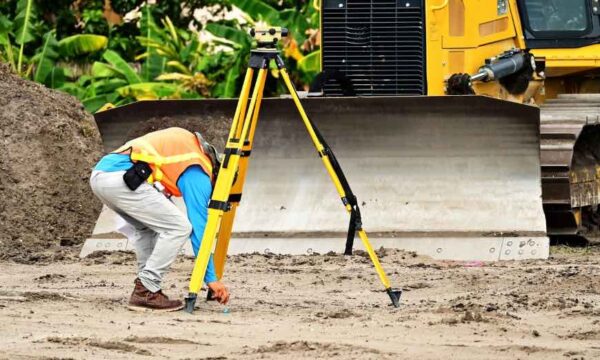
{"points": [[242, 106], [220, 255], [336, 176], [219, 200], [236, 193]]}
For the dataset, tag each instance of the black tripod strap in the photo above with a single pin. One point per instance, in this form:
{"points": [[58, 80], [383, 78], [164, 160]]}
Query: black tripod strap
{"points": [[350, 199], [351, 234]]}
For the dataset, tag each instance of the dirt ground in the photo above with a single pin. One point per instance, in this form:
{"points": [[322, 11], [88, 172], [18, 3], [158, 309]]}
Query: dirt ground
{"points": [[313, 306]]}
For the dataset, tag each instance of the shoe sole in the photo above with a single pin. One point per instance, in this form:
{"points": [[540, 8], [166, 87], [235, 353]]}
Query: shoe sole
{"points": [[146, 309]]}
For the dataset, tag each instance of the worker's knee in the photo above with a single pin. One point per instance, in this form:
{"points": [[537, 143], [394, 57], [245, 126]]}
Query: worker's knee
{"points": [[183, 229]]}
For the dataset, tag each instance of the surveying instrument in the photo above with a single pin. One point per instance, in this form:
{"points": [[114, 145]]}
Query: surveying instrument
{"points": [[229, 184]]}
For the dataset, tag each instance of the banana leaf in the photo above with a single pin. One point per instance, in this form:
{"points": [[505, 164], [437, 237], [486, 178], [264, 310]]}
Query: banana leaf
{"points": [[231, 81], [311, 63], [84, 80], [28, 68], [148, 90], [122, 66], [312, 15], [212, 64], [154, 64], [158, 46], [56, 78], [108, 85], [101, 70], [174, 77], [23, 27], [148, 26], [73, 89], [185, 35], [24, 22], [258, 10], [190, 95], [93, 104], [296, 23], [5, 43], [90, 90], [81, 44], [172, 31], [179, 66], [121, 102], [239, 37], [46, 58], [191, 51], [5, 28]]}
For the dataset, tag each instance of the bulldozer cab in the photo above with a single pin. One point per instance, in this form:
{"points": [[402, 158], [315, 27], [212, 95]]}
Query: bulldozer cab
{"points": [[560, 23]]}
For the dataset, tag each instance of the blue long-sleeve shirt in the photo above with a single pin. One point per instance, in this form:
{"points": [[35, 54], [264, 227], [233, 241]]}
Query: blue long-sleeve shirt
{"points": [[196, 190]]}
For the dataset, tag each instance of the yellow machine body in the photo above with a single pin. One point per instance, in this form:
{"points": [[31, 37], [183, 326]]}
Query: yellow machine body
{"points": [[462, 34], [461, 37]]}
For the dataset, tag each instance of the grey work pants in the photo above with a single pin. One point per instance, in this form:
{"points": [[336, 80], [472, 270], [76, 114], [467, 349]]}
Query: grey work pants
{"points": [[161, 228]]}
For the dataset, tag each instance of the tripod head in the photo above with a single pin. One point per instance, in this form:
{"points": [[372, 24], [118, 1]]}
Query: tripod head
{"points": [[267, 37]]}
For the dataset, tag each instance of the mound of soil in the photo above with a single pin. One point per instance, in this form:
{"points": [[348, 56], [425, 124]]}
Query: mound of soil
{"points": [[48, 145]]}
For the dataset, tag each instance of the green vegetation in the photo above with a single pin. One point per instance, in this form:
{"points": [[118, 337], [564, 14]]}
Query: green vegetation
{"points": [[41, 62], [120, 51]]}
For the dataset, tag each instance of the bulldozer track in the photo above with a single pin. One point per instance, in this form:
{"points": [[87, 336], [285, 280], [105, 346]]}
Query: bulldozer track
{"points": [[570, 161]]}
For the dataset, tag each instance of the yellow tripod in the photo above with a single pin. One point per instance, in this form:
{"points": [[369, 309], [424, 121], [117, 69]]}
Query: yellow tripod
{"points": [[228, 190]]}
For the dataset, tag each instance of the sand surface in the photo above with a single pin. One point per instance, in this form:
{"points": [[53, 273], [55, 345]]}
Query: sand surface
{"points": [[307, 307]]}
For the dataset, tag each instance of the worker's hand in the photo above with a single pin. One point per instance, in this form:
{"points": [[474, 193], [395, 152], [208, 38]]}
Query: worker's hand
{"points": [[219, 292]]}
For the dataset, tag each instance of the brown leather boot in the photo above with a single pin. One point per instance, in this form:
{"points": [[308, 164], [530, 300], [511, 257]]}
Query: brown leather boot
{"points": [[143, 299]]}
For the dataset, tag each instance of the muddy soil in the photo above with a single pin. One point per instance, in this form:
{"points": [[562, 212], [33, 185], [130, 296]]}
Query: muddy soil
{"points": [[310, 307], [48, 145]]}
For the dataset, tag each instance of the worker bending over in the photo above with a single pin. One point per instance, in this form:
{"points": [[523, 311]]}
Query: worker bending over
{"points": [[136, 182]]}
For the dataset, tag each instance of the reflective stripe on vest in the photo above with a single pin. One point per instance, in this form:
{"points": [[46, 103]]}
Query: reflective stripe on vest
{"points": [[141, 149]]}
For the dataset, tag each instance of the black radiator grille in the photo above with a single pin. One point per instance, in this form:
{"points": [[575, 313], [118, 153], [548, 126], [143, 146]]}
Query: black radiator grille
{"points": [[378, 45]]}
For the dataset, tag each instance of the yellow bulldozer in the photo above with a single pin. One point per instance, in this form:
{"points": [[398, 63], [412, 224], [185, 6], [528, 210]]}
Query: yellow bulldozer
{"points": [[468, 129], [539, 52]]}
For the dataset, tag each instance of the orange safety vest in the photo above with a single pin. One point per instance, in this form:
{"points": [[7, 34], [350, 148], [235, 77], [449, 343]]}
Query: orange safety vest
{"points": [[169, 153]]}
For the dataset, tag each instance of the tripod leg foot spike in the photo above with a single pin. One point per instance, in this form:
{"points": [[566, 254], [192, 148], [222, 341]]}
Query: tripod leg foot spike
{"points": [[190, 303], [394, 296]]}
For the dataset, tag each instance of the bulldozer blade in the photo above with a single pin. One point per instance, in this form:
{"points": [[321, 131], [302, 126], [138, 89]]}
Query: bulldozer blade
{"points": [[452, 177]]}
